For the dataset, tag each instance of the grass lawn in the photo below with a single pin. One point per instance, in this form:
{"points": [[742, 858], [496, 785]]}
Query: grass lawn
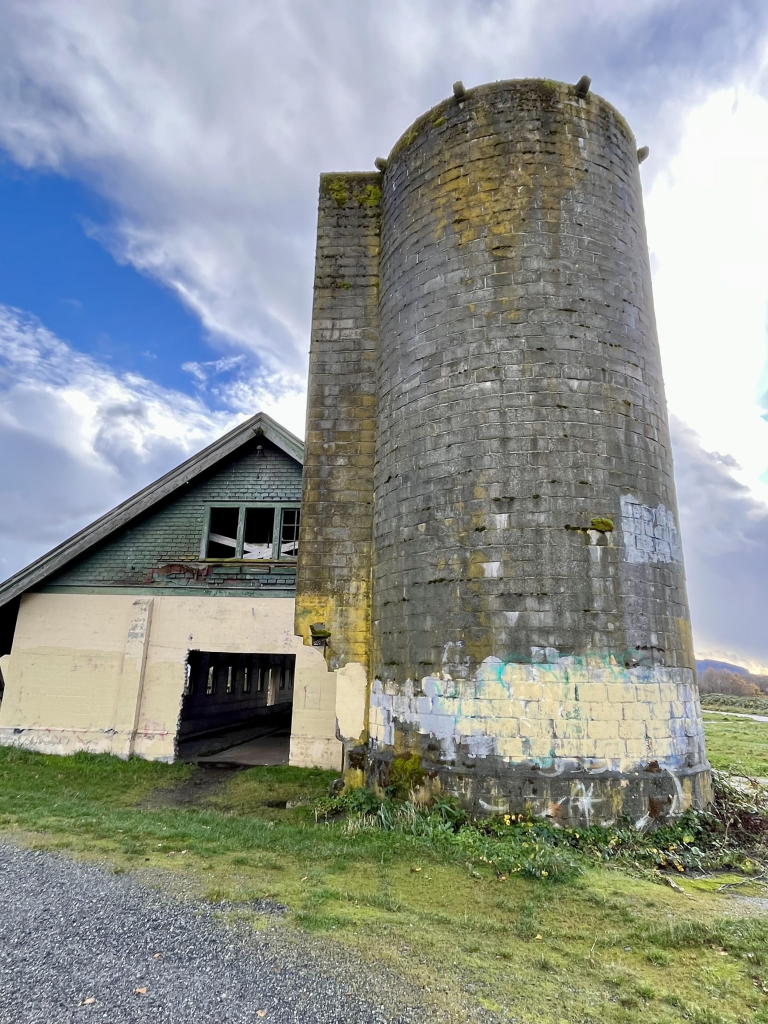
{"points": [[607, 945], [737, 744], [729, 702]]}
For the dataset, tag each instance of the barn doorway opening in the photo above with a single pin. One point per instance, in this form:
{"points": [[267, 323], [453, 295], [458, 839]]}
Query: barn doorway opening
{"points": [[237, 708]]}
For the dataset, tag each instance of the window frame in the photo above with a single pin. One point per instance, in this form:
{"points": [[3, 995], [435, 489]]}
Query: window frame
{"points": [[277, 529]]}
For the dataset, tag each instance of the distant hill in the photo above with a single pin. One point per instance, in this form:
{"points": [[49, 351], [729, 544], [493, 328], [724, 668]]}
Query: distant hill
{"points": [[721, 666], [725, 678]]}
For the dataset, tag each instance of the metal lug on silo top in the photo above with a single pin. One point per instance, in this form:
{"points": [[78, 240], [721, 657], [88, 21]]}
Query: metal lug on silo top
{"points": [[582, 86]]}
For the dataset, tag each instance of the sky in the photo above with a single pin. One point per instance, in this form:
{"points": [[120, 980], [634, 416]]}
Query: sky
{"points": [[158, 186]]}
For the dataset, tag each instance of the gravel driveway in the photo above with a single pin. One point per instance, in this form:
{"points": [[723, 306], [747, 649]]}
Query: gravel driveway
{"points": [[80, 944]]}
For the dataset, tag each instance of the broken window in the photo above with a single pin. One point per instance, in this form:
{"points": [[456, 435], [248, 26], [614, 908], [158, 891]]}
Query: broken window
{"points": [[252, 532], [257, 538], [222, 534], [289, 536]]}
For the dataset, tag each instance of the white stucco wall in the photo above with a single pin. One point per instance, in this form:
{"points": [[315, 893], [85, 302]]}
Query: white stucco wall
{"points": [[105, 673]]}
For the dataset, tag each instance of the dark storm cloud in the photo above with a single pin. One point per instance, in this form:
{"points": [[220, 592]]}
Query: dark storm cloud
{"points": [[725, 538]]}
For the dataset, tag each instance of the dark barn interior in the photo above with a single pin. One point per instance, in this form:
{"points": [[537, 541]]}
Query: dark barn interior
{"points": [[240, 704]]}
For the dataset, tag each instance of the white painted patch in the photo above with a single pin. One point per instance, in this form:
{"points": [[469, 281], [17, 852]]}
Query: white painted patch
{"points": [[512, 617], [650, 534], [491, 570], [351, 695], [455, 663], [558, 712], [544, 654], [501, 520]]}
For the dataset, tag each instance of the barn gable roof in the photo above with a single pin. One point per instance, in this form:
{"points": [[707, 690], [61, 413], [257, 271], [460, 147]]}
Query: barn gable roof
{"points": [[122, 515]]}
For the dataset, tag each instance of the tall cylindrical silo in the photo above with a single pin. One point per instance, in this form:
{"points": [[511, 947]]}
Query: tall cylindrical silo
{"points": [[530, 636]]}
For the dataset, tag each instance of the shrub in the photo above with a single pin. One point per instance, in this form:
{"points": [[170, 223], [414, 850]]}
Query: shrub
{"points": [[721, 681]]}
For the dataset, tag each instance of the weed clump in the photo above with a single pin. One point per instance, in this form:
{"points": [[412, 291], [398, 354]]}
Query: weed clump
{"points": [[732, 834], [602, 524], [405, 775]]}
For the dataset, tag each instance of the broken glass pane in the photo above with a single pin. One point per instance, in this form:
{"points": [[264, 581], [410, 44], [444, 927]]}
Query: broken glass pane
{"points": [[289, 540], [257, 539], [222, 534]]}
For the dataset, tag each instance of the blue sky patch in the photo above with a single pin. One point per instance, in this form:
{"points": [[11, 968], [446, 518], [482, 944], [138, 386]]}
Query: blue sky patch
{"points": [[50, 267]]}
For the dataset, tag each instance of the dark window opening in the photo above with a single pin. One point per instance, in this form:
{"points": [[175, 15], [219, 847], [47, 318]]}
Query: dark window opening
{"points": [[222, 534], [252, 532], [289, 535], [257, 538]]}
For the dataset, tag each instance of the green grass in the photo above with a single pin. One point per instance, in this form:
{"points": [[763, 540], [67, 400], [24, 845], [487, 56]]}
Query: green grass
{"points": [[728, 702], [737, 744], [605, 945]]}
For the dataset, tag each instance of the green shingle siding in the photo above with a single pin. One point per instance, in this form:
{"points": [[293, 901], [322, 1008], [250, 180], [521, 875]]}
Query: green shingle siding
{"points": [[162, 549]]}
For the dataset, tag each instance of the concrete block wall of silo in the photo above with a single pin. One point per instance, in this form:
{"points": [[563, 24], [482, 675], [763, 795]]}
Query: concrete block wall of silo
{"points": [[530, 634]]}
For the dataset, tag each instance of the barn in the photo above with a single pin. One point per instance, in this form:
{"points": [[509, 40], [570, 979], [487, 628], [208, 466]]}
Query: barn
{"points": [[165, 629]]}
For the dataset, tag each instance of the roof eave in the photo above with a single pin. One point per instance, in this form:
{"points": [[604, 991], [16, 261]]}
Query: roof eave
{"points": [[56, 559]]}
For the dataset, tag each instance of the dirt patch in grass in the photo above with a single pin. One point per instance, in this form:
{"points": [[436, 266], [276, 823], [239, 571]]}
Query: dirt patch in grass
{"points": [[196, 790], [280, 793]]}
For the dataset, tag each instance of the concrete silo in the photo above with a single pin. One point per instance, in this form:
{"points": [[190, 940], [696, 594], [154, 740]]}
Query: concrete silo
{"points": [[490, 551]]}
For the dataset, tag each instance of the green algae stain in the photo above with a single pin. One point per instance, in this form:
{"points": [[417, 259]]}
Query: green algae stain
{"points": [[337, 189], [370, 196]]}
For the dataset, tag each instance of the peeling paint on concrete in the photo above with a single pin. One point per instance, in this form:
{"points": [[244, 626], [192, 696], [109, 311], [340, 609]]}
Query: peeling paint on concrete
{"points": [[351, 701], [592, 711]]}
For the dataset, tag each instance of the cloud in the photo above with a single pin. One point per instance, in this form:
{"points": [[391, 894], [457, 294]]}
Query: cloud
{"points": [[707, 217], [725, 538], [77, 438], [206, 125]]}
